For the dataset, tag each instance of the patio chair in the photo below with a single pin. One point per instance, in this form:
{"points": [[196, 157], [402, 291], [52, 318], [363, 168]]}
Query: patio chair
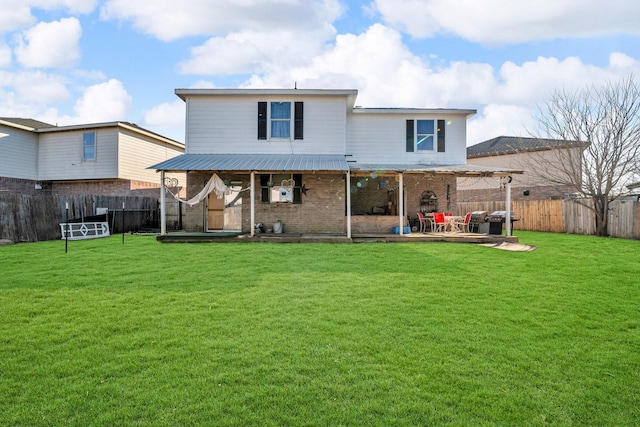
{"points": [[439, 223], [424, 223], [464, 224]]}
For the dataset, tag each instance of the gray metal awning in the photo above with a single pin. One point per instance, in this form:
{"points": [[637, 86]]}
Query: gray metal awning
{"points": [[255, 162], [458, 170]]}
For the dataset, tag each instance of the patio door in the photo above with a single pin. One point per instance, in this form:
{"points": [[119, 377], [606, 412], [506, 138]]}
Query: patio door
{"points": [[225, 213], [215, 213]]}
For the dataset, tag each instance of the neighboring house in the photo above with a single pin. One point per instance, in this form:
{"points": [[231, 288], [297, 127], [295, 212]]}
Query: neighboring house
{"points": [[311, 160], [101, 158], [527, 154]]}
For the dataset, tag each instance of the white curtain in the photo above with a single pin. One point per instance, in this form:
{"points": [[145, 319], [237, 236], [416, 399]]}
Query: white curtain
{"points": [[214, 184]]}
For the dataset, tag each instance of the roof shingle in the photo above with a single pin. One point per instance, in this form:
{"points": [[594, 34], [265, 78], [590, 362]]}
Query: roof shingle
{"points": [[516, 144]]}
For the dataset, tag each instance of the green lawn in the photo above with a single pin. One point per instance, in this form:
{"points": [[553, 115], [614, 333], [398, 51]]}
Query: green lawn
{"points": [[151, 334]]}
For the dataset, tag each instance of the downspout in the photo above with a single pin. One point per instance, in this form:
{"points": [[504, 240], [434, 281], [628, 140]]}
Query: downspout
{"points": [[163, 209], [253, 203], [348, 204], [401, 202], [507, 218]]}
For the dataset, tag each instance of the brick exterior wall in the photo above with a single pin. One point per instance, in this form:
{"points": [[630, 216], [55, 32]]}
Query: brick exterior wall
{"points": [[416, 184], [116, 187], [23, 186], [517, 194], [323, 208]]}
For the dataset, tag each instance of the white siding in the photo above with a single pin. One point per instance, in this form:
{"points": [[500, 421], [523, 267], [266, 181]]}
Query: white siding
{"points": [[381, 138], [19, 153], [229, 124], [137, 152], [60, 156]]}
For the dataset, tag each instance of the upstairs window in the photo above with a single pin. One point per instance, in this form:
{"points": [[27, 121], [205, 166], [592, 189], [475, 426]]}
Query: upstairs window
{"points": [[280, 120], [274, 120], [426, 136], [89, 146]]}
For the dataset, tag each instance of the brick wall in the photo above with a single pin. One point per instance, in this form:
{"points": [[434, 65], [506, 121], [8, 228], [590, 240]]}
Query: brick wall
{"points": [[323, 207], [116, 187], [517, 194], [23, 186], [416, 184]]}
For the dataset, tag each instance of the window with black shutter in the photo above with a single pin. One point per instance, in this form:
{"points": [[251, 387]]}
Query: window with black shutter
{"points": [[262, 120], [441, 138], [410, 136], [298, 121]]}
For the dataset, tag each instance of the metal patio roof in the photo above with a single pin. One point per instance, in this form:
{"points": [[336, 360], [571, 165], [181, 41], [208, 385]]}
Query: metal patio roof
{"points": [[254, 162], [460, 170], [312, 163]]}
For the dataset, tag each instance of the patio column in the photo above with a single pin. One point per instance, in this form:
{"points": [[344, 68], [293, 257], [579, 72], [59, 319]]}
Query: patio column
{"points": [[253, 203], [163, 208], [348, 204], [507, 218], [401, 202]]}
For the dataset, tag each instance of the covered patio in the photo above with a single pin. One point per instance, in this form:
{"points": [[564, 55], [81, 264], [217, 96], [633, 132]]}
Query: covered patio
{"points": [[327, 198]]}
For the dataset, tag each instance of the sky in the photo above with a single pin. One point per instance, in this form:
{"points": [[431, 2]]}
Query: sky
{"points": [[69, 62]]}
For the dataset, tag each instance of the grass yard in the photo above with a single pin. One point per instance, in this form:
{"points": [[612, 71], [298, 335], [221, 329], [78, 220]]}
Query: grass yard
{"points": [[267, 334]]}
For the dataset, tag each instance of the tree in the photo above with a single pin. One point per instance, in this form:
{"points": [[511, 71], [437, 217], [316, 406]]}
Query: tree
{"points": [[604, 124]]}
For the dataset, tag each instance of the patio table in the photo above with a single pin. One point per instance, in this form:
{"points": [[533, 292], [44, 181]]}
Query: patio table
{"points": [[450, 222]]}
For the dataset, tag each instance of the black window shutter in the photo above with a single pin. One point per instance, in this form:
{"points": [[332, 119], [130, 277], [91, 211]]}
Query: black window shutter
{"points": [[262, 120], [441, 136], [297, 189], [264, 188], [298, 121], [410, 136]]}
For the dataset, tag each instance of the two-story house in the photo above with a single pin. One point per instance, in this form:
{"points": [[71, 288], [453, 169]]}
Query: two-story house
{"points": [[315, 162], [97, 158]]}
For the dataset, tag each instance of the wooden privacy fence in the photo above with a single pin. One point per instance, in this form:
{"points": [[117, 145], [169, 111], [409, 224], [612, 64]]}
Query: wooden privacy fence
{"points": [[32, 218], [566, 216]]}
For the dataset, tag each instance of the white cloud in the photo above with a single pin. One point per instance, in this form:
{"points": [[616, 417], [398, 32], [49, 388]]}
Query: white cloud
{"points": [[508, 21], [17, 14], [35, 87], [164, 20], [387, 74], [52, 44], [253, 52], [496, 120], [5, 55], [167, 115], [103, 102]]}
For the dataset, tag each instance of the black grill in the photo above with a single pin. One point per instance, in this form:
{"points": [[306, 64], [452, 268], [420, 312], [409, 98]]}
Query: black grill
{"points": [[497, 219]]}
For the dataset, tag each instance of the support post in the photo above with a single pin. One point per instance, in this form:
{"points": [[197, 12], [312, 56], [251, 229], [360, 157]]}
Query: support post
{"points": [[123, 222], [253, 203], [401, 202], [163, 207], [507, 219], [348, 190], [66, 227]]}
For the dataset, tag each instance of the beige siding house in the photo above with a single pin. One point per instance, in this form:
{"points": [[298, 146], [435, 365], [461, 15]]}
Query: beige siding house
{"points": [[101, 158], [526, 154]]}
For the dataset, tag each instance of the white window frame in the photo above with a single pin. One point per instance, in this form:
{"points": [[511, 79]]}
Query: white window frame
{"points": [[271, 120], [85, 145], [434, 136]]}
